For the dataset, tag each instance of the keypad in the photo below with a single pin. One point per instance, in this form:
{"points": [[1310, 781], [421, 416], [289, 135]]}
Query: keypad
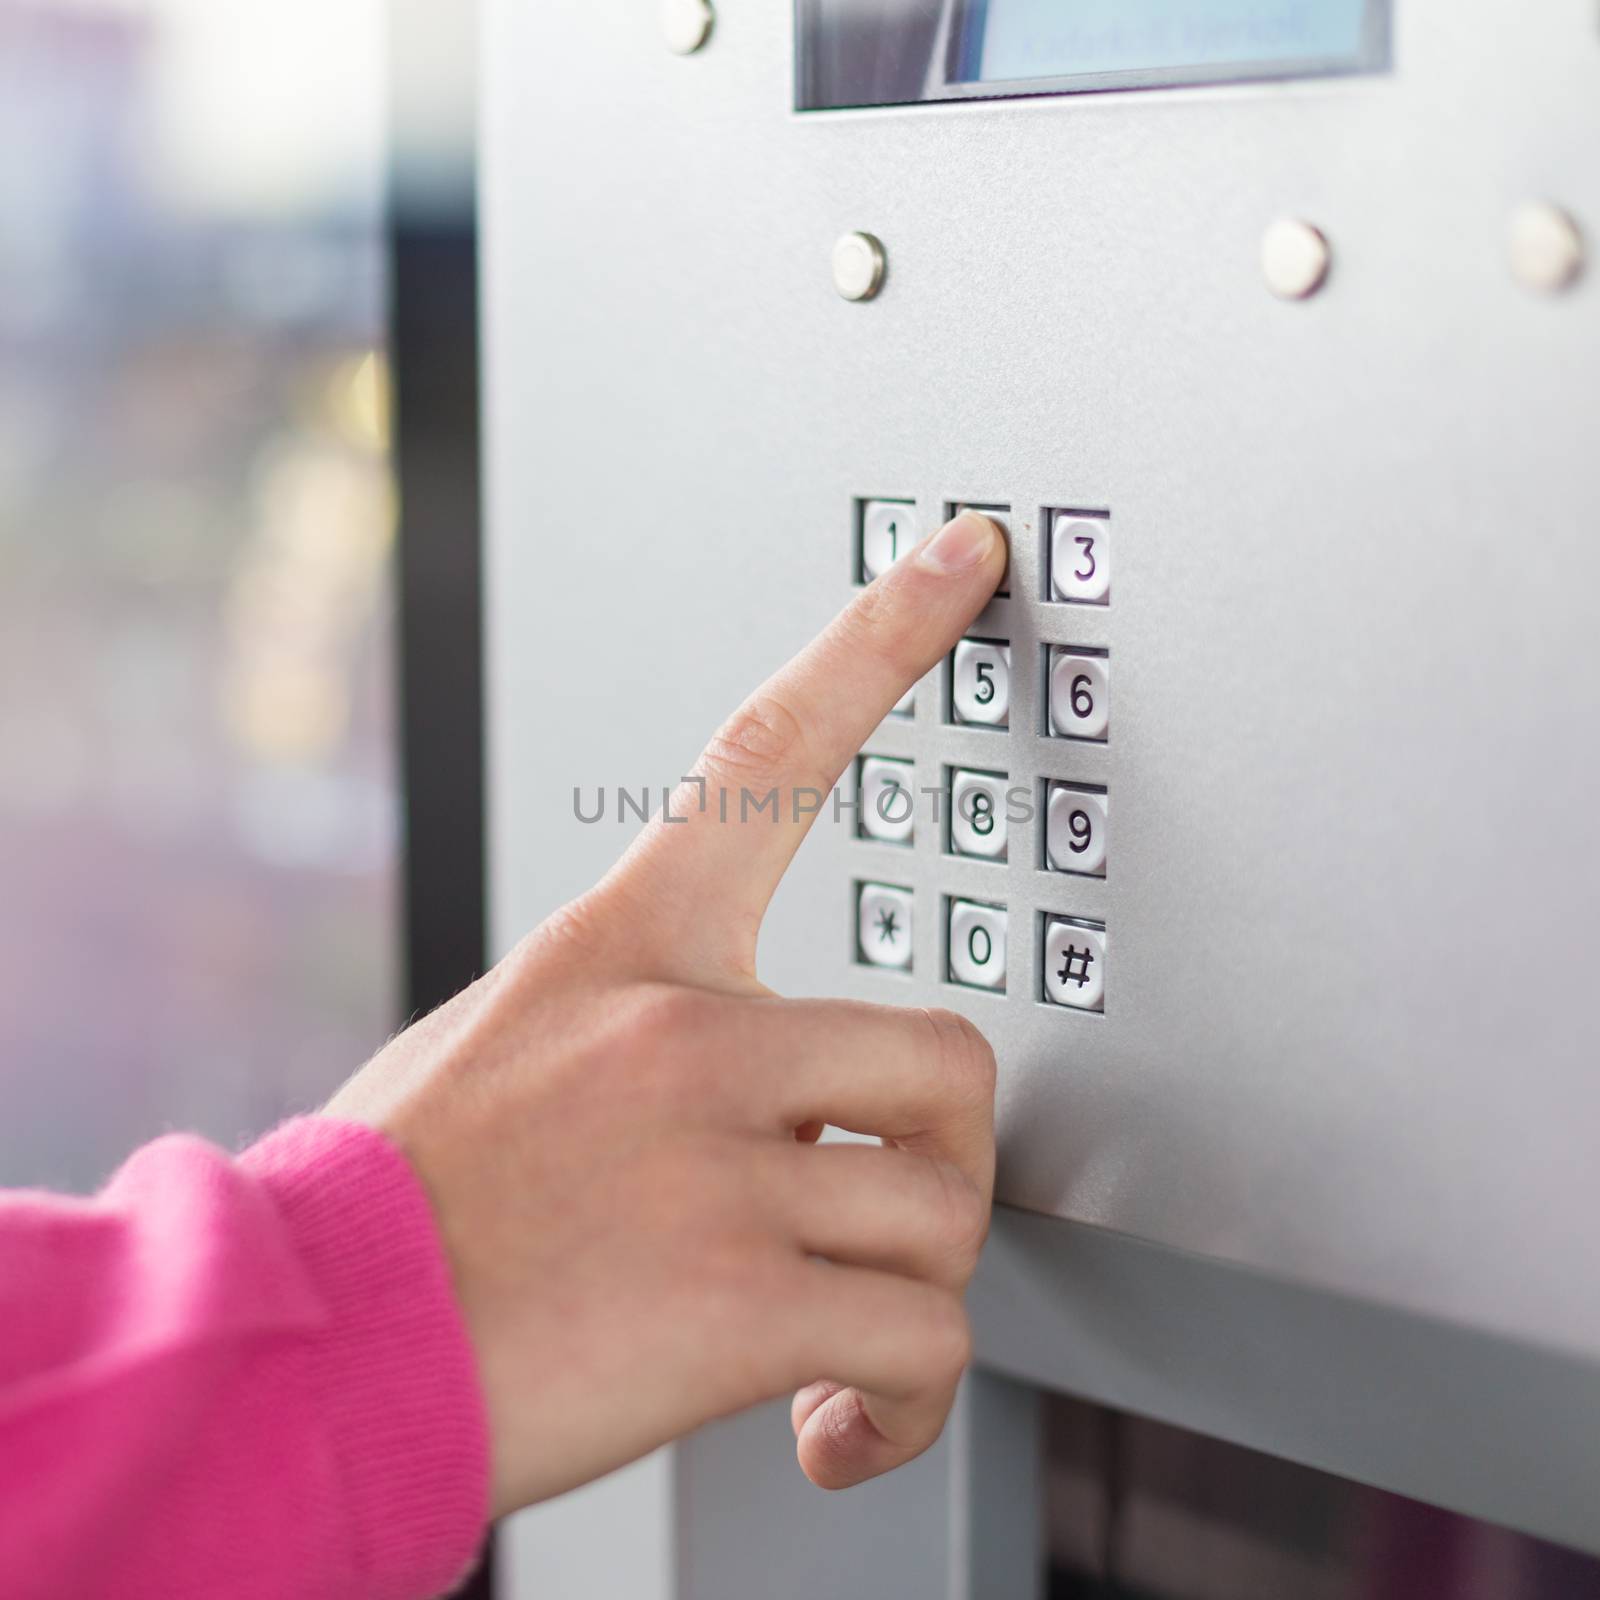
{"points": [[977, 945], [887, 801], [1075, 830], [1074, 964], [1080, 558], [978, 814], [985, 798], [883, 925], [1079, 695], [888, 529], [980, 683]]}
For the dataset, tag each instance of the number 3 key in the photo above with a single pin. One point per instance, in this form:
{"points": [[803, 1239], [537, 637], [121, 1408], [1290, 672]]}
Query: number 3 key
{"points": [[1080, 558]]}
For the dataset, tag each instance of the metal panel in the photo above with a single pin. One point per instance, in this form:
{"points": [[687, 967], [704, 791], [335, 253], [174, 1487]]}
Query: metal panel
{"points": [[606, 1541], [1480, 1425], [996, 1539], [961, 1522], [1349, 1040], [748, 1523]]}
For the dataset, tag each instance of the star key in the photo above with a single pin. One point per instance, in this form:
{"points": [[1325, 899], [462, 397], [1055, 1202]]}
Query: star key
{"points": [[884, 930]]}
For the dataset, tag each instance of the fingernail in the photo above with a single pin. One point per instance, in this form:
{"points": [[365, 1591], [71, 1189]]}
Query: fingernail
{"points": [[960, 544]]}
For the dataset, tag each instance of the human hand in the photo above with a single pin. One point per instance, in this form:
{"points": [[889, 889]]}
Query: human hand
{"points": [[617, 1124]]}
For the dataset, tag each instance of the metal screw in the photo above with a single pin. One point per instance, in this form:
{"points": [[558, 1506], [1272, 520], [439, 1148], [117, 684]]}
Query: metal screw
{"points": [[686, 24], [1546, 248], [858, 266], [1295, 258]]}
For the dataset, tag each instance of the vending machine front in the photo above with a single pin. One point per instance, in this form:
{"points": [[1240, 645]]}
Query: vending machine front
{"points": [[1271, 862]]}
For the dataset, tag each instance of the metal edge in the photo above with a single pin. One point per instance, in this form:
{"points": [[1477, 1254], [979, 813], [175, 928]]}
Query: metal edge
{"points": [[1406, 1403]]}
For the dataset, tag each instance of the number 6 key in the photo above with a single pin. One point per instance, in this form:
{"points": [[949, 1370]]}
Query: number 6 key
{"points": [[1080, 695]]}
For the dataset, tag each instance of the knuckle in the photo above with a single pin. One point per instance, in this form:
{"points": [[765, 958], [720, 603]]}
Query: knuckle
{"points": [[572, 929], [865, 618], [664, 1016], [759, 744], [965, 1055], [948, 1340], [966, 1217], [872, 624], [745, 1282]]}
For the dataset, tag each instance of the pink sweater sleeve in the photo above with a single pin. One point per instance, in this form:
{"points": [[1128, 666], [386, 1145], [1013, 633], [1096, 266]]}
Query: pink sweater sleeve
{"points": [[243, 1377]]}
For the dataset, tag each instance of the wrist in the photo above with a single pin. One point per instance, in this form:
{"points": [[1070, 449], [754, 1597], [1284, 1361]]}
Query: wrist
{"points": [[392, 1367]]}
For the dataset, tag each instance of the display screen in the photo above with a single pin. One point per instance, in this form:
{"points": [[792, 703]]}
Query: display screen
{"points": [[1015, 39], [894, 52]]}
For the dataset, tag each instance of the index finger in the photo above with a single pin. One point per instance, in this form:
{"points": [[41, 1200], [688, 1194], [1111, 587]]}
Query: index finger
{"points": [[796, 735]]}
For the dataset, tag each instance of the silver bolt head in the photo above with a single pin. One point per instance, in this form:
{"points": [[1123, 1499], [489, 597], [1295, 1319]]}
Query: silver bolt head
{"points": [[686, 24], [1295, 257], [858, 266], [1546, 247]]}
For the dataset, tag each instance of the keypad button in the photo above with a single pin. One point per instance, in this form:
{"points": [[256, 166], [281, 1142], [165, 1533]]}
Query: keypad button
{"points": [[883, 926], [981, 683], [978, 814], [888, 800], [1080, 695], [1080, 558], [888, 530], [1001, 516], [977, 945], [1075, 965], [1075, 831]]}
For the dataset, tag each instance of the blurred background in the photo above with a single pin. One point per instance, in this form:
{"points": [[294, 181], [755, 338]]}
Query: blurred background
{"points": [[208, 210]]}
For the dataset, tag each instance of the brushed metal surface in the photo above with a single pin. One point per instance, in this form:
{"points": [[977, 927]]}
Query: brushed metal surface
{"points": [[1350, 1039]]}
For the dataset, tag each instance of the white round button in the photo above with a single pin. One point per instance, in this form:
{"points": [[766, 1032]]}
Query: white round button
{"points": [[977, 945], [1075, 966], [888, 530], [1294, 258], [1080, 558], [888, 803], [858, 266], [981, 683], [978, 815], [1080, 696], [1075, 831], [883, 926], [686, 24], [1546, 248]]}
